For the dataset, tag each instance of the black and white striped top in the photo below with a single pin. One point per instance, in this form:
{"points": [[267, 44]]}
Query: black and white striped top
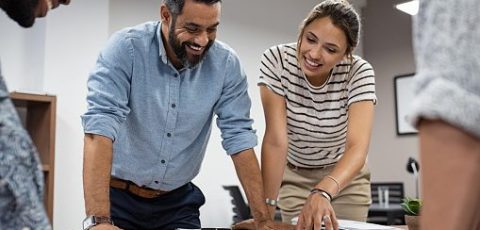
{"points": [[316, 116]]}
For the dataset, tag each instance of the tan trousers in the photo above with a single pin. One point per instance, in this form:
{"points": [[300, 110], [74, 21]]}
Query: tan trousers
{"points": [[351, 203]]}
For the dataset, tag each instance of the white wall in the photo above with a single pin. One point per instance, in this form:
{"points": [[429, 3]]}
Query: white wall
{"points": [[75, 35], [66, 45], [22, 57]]}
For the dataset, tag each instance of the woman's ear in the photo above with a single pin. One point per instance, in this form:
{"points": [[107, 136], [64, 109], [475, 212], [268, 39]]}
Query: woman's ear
{"points": [[348, 53]]}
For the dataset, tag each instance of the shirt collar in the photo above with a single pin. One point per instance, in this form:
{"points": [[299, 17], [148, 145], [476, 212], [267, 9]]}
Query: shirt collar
{"points": [[162, 53]]}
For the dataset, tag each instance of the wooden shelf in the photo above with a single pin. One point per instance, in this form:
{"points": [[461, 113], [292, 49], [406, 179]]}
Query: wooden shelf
{"points": [[38, 113], [46, 168]]}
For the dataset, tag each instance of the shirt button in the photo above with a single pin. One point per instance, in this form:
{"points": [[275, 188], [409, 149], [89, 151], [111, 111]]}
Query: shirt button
{"points": [[156, 182], [173, 105], [169, 134], [163, 161]]}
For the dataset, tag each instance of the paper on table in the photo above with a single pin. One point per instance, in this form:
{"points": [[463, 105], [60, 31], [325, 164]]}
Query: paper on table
{"points": [[357, 225]]}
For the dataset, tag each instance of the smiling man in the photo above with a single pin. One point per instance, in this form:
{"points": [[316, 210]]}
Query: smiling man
{"points": [[151, 101], [21, 177]]}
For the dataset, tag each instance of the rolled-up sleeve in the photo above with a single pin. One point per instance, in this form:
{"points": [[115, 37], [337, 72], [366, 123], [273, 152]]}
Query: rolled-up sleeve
{"points": [[233, 110], [109, 87]]}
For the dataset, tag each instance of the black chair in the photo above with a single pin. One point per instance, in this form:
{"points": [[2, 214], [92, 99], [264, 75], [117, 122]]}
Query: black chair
{"points": [[395, 190], [393, 213], [241, 211]]}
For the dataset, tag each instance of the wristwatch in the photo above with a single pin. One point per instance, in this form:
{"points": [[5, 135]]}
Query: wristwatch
{"points": [[92, 221]]}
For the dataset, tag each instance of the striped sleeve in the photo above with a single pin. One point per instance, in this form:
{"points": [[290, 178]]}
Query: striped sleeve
{"points": [[361, 85], [271, 66]]}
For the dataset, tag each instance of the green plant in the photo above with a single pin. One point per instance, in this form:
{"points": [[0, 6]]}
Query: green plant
{"points": [[412, 206]]}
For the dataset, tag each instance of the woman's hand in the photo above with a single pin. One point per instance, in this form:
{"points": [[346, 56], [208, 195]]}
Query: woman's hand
{"points": [[316, 210]]}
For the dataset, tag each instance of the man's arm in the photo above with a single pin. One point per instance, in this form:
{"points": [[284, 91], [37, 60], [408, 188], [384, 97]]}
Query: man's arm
{"points": [[248, 171], [97, 165]]}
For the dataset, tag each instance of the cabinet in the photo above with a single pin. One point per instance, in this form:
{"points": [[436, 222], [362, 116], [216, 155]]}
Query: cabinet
{"points": [[37, 113]]}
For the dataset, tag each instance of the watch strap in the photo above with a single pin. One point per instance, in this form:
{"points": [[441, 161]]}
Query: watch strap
{"points": [[91, 221], [102, 220]]}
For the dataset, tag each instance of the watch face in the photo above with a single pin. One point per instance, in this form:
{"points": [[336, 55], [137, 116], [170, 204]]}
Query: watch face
{"points": [[88, 222]]}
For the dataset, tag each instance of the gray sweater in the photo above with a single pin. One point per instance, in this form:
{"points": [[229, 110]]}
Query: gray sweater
{"points": [[447, 46], [21, 177]]}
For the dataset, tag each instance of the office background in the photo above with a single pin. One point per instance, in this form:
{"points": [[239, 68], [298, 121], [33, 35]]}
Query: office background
{"points": [[56, 55]]}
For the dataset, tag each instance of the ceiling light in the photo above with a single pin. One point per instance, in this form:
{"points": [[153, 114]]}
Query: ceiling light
{"points": [[410, 7]]}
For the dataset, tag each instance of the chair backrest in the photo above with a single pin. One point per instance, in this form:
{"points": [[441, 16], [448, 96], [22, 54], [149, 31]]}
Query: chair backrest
{"points": [[240, 207], [395, 190]]}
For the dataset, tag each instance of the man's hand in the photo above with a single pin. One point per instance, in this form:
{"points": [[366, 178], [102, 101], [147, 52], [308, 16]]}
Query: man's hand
{"points": [[246, 224], [251, 225]]}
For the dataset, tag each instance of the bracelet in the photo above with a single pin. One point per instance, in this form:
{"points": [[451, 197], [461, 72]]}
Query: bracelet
{"points": [[336, 182], [271, 202], [323, 193]]}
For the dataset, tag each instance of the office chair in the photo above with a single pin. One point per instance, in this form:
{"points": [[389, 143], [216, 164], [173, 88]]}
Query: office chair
{"points": [[393, 215], [395, 189], [240, 208], [241, 211]]}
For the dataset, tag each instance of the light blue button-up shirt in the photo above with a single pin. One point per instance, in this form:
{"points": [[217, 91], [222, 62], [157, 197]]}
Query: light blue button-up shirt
{"points": [[159, 117]]}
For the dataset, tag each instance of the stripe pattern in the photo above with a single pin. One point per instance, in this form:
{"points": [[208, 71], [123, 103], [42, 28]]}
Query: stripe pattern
{"points": [[316, 116]]}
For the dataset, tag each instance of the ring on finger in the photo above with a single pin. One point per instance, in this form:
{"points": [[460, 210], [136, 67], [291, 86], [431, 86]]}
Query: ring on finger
{"points": [[326, 217]]}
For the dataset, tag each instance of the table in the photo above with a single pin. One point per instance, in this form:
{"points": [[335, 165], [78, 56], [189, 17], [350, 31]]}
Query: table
{"points": [[391, 212]]}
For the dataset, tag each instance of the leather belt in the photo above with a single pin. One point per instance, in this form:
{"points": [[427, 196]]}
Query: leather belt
{"points": [[294, 167], [135, 189]]}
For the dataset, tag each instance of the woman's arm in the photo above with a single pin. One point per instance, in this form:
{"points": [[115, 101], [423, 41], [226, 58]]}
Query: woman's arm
{"points": [[275, 142]]}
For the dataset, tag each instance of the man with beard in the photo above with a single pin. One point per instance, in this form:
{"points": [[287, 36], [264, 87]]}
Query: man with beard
{"points": [[21, 178], [151, 100]]}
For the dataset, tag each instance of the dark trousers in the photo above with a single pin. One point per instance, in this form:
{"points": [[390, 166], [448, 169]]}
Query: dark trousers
{"points": [[176, 209]]}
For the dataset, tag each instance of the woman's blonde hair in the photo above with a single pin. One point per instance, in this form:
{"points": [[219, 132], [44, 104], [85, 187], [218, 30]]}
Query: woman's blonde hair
{"points": [[342, 14]]}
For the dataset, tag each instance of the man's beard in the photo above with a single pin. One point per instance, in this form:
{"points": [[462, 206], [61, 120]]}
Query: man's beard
{"points": [[22, 11], [180, 49]]}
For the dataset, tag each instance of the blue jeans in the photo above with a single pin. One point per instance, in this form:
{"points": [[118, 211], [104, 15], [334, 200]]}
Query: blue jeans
{"points": [[176, 209]]}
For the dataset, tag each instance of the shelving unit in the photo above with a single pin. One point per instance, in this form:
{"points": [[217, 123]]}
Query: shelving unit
{"points": [[38, 113]]}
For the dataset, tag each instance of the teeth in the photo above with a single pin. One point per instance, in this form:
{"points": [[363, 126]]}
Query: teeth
{"points": [[49, 4], [312, 63], [197, 48]]}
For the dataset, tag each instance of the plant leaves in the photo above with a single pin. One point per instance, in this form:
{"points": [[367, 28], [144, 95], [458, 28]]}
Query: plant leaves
{"points": [[412, 206]]}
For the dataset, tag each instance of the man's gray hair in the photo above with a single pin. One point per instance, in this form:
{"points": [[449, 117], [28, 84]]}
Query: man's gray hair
{"points": [[176, 6]]}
